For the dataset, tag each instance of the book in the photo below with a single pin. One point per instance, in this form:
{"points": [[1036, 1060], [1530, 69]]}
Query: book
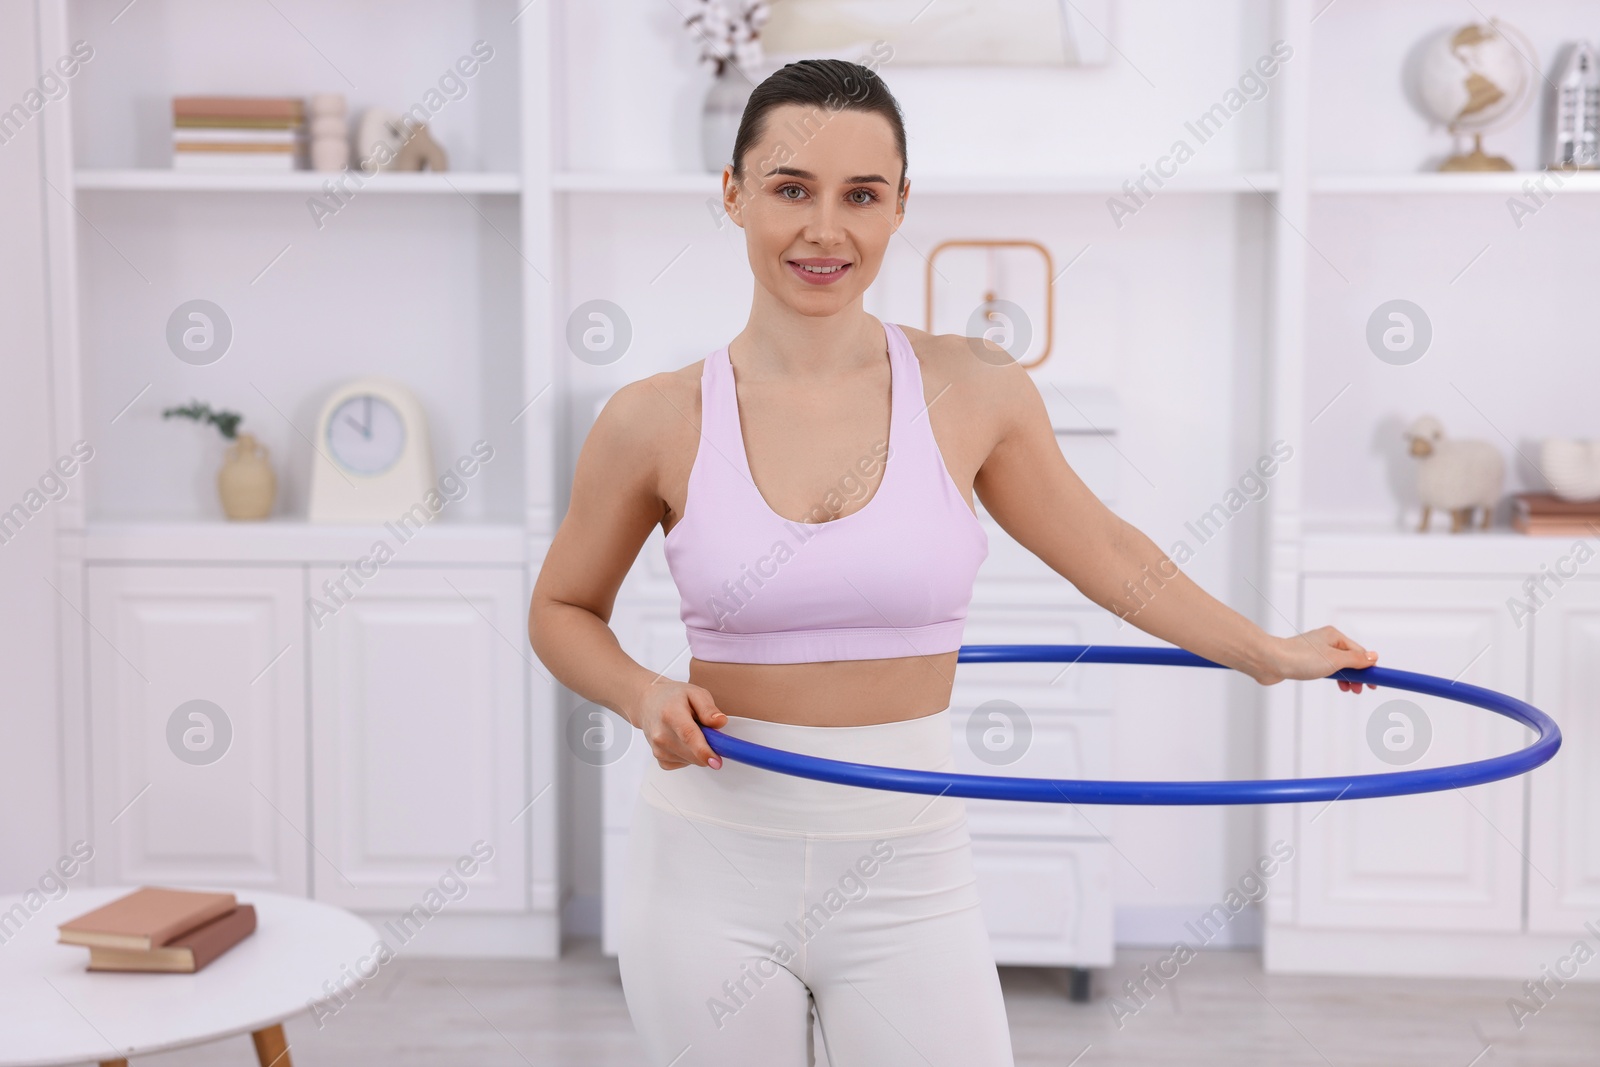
{"points": [[243, 147], [1548, 504], [1546, 514], [1557, 527], [233, 135], [202, 122], [186, 953], [145, 918], [239, 107], [256, 161]]}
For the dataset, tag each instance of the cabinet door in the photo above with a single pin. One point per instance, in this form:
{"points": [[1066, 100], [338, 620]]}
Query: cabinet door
{"points": [[1450, 860], [197, 725], [1564, 852], [418, 715], [1045, 901]]}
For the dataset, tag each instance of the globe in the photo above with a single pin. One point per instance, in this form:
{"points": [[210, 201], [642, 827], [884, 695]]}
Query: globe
{"points": [[1475, 79]]}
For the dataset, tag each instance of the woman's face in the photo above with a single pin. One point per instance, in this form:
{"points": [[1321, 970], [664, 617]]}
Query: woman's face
{"points": [[818, 204]]}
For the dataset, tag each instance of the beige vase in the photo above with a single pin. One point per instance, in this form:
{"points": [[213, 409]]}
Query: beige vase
{"points": [[246, 483]]}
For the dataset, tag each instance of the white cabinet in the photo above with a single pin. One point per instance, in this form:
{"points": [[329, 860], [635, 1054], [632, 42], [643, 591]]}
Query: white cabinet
{"points": [[1489, 881], [414, 748], [652, 634], [1564, 823], [1045, 901], [1442, 861], [419, 736], [1044, 870], [197, 725]]}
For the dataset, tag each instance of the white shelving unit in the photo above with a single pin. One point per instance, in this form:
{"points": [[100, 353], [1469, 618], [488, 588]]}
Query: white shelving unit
{"points": [[1487, 881], [1491, 183], [151, 180], [359, 772], [933, 185]]}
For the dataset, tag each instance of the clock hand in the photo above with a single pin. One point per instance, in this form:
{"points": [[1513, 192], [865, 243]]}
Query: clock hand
{"points": [[366, 429], [362, 430]]}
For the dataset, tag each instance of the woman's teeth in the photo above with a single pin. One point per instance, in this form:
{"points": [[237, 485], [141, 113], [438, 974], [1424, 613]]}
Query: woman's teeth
{"points": [[819, 270]]}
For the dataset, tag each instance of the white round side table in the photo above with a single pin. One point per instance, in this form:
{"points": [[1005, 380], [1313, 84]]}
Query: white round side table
{"points": [[54, 1011]]}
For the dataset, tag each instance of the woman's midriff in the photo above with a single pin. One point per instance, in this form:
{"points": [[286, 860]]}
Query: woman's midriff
{"points": [[856, 692]]}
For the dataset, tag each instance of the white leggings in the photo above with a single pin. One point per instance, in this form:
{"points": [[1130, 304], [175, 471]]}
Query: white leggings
{"points": [[755, 898]]}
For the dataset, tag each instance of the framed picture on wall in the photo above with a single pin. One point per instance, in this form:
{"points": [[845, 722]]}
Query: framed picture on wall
{"points": [[986, 33]]}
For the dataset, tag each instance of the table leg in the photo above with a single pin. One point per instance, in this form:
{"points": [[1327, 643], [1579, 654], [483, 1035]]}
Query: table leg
{"points": [[272, 1048]]}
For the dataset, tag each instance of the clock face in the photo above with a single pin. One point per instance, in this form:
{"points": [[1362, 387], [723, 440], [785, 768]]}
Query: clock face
{"points": [[366, 434]]}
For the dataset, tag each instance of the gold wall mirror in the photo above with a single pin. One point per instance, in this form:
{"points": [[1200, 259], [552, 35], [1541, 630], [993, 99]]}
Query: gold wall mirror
{"points": [[991, 299]]}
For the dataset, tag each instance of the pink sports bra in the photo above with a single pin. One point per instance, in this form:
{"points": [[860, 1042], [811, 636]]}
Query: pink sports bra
{"points": [[891, 579]]}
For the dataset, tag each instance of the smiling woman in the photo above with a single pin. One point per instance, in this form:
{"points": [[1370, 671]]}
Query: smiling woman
{"points": [[841, 640]]}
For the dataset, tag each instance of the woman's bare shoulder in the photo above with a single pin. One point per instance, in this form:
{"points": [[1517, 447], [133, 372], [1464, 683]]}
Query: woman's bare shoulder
{"points": [[981, 371], [650, 406], [642, 422]]}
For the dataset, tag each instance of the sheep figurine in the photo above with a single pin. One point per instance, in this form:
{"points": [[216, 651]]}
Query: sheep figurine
{"points": [[1454, 476]]}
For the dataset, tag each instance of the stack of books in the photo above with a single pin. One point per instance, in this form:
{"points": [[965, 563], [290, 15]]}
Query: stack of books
{"points": [[158, 929], [237, 132], [1546, 513]]}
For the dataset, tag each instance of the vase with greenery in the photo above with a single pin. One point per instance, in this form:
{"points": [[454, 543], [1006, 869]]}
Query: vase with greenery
{"points": [[246, 483]]}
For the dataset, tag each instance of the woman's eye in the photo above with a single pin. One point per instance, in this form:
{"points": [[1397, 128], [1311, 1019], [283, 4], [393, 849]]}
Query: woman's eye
{"points": [[866, 196]]}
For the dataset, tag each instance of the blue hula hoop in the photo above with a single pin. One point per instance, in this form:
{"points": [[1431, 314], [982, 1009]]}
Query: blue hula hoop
{"points": [[1265, 791]]}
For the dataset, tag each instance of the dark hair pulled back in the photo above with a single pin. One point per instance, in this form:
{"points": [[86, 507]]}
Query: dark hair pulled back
{"points": [[834, 84]]}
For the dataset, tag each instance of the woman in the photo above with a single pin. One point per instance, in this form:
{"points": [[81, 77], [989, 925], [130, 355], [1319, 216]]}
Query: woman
{"points": [[825, 555]]}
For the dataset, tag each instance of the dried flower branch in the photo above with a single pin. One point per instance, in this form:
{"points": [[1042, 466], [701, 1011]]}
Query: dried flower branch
{"points": [[729, 31]]}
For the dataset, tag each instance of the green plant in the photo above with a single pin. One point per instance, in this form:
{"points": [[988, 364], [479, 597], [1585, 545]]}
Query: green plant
{"points": [[227, 422]]}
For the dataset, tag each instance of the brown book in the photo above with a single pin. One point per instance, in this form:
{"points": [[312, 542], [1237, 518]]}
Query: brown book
{"points": [[1557, 527], [1543, 505], [145, 918], [216, 122], [242, 107], [185, 953], [232, 146]]}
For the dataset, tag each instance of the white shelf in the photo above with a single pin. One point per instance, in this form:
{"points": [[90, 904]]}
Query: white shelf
{"points": [[1510, 181], [152, 179], [281, 540], [1385, 549], [710, 184]]}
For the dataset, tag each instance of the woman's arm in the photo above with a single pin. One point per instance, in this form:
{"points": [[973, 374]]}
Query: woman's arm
{"points": [[614, 505], [1036, 497]]}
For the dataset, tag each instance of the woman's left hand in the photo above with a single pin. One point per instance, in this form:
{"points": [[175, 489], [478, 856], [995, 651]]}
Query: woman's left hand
{"points": [[1316, 654]]}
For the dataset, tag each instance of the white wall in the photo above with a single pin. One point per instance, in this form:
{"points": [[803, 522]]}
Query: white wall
{"points": [[30, 784]]}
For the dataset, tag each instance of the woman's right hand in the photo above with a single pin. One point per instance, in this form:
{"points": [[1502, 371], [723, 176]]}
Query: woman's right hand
{"points": [[670, 714]]}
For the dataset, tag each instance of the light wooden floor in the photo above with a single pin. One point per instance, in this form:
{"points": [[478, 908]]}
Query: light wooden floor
{"points": [[1220, 1010]]}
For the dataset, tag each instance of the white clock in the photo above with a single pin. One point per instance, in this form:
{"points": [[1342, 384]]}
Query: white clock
{"points": [[373, 463]]}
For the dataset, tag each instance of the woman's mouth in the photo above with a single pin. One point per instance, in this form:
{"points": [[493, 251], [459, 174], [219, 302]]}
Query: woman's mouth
{"points": [[819, 271]]}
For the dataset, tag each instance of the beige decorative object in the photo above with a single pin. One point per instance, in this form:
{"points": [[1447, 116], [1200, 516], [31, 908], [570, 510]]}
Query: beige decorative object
{"points": [[330, 141], [329, 156], [419, 151], [246, 482], [1572, 468], [386, 140], [1475, 79], [378, 139], [1455, 476]]}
